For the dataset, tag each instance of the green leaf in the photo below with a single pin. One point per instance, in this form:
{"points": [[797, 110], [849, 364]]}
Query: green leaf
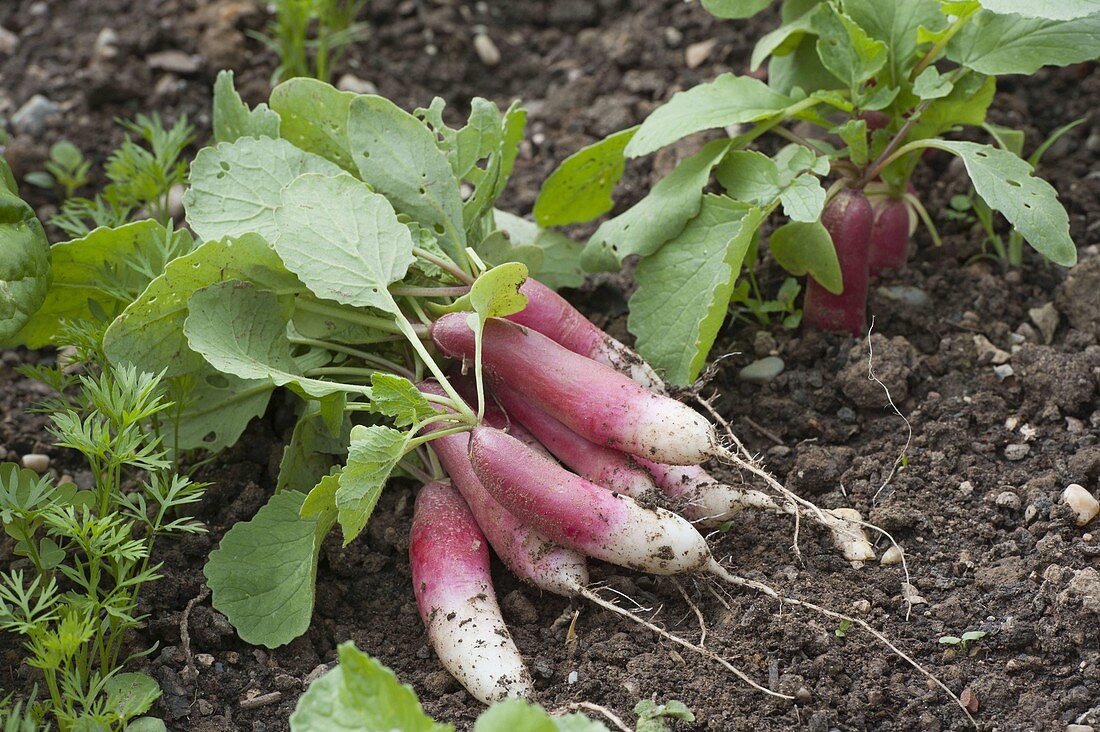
{"points": [[735, 8], [784, 39], [130, 694], [931, 85], [147, 724], [1008, 138], [515, 715], [896, 24], [854, 134], [102, 272], [360, 695], [235, 186], [684, 288], [966, 104], [973, 635], [580, 189], [24, 260], [846, 49], [749, 176], [478, 139], [652, 716], [372, 455], [498, 248], [1011, 44], [312, 450], [314, 118], [398, 398], [803, 199], [398, 155], [806, 248], [216, 408], [263, 574], [1030, 204], [491, 182], [1056, 10], [240, 330], [561, 260], [801, 69], [662, 214], [232, 117], [149, 333], [577, 722], [727, 100], [343, 240], [321, 497], [496, 294]]}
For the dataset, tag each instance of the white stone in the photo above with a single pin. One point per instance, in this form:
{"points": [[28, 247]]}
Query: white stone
{"points": [[1046, 320], [1083, 503], [487, 51], [352, 83], [891, 556], [37, 462], [697, 53]]}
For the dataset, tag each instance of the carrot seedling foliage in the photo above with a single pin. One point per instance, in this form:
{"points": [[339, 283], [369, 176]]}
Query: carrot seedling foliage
{"points": [[879, 83]]}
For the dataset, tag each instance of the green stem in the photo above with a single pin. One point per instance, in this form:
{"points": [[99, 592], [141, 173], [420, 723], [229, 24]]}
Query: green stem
{"points": [[361, 355], [479, 379], [444, 264], [350, 316], [417, 441], [457, 291], [790, 113], [939, 45], [922, 213], [411, 333]]}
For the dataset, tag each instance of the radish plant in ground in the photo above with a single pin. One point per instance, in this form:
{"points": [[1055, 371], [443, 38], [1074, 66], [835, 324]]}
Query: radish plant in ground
{"points": [[338, 259], [856, 92]]}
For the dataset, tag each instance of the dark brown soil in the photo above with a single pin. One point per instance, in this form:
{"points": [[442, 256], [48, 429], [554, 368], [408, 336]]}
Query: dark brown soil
{"points": [[976, 507]]}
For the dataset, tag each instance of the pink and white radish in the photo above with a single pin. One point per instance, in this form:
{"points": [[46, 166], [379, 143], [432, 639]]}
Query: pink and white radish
{"points": [[531, 556], [848, 219], [450, 572], [700, 497], [579, 514], [550, 314], [594, 400], [611, 469]]}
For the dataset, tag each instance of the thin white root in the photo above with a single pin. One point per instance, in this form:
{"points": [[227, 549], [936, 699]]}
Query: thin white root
{"points": [[909, 438], [697, 611], [719, 571], [706, 653], [609, 715]]}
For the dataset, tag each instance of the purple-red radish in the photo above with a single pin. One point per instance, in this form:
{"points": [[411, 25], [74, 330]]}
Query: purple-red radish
{"points": [[605, 467], [530, 556], [550, 314], [449, 559], [889, 235], [848, 219], [595, 401], [579, 514], [700, 497]]}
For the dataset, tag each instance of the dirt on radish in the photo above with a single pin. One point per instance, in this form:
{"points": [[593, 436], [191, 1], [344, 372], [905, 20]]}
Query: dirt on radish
{"points": [[977, 510]]}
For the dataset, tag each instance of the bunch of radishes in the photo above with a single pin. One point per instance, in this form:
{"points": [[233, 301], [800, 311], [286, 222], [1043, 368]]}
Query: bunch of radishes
{"points": [[559, 390]]}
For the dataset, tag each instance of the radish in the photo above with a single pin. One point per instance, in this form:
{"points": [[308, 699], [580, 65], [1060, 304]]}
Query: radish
{"points": [[579, 514], [889, 235], [550, 314], [530, 556], [848, 219], [494, 416], [594, 400], [450, 573], [605, 467], [702, 499]]}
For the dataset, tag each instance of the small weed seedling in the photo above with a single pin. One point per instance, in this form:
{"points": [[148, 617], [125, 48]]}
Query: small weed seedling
{"points": [[310, 36], [970, 636], [66, 170]]}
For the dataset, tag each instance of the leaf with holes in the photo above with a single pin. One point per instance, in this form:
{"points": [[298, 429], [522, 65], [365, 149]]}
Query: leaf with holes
{"points": [[1030, 204], [24, 259], [232, 117], [314, 117], [580, 188], [1011, 44]]}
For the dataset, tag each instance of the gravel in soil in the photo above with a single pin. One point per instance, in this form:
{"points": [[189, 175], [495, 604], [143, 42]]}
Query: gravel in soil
{"points": [[976, 505]]}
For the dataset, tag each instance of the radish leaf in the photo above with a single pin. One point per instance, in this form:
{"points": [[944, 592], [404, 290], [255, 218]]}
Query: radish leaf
{"points": [[398, 156], [240, 330], [696, 270], [845, 48], [105, 270], [24, 259], [372, 455], [311, 451], [897, 24], [314, 117], [515, 715], [735, 8], [658, 217], [358, 695], [216, 410], [232, 117], [1011, 44], [235, 186], [1030, 204], [343, 240], [726, 101], [580, 189], [560, 266], [273, 556], [1060, 10], [496, 294], [806, 248], [396, 397]]}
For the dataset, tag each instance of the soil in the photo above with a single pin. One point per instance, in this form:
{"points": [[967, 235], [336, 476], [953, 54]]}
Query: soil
{"points": [[976, 505]]}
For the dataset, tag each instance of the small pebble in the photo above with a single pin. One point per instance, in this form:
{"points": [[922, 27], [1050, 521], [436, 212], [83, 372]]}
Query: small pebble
{"points": [[204, 659], [989, 353], [352, 83], [861, 606], [106, 44], [803, 696], [572, 679], [891, 556], [762, 370], [673, 37], [30, 119], [1079, 728], [1017, 451], [1009, 500], [1003, 371], [966, 488], [1046, 320], [175, 201], [37, 462], [205, 708], [1083, 503], [175, 61], [8, 41], [906, 295], [486, 50], [697, 53]]}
